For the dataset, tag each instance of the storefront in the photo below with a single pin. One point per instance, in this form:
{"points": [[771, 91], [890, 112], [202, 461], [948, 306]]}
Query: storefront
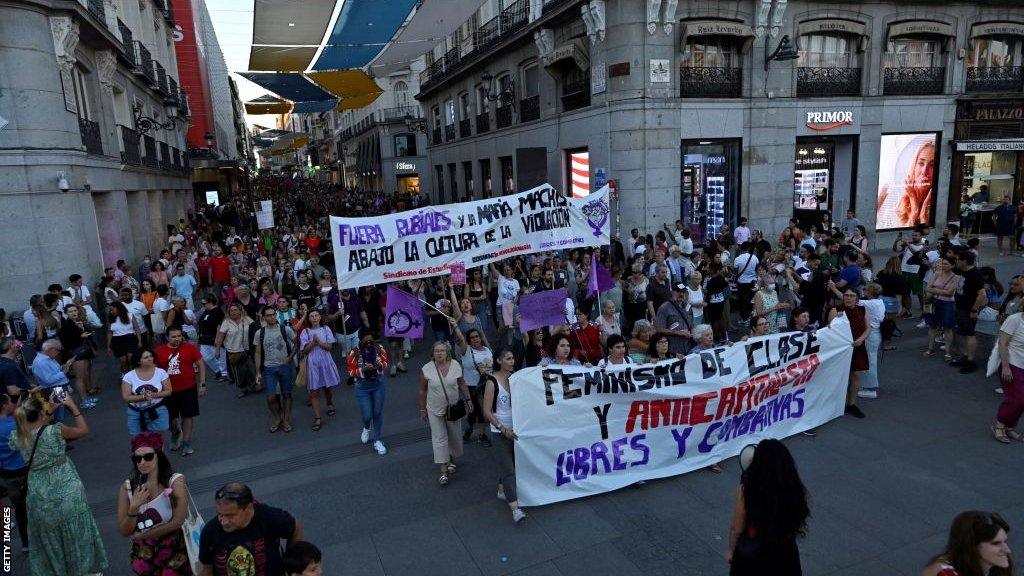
{"points": [[988, 160], [824, 181], [710, 186], [407, 178]]}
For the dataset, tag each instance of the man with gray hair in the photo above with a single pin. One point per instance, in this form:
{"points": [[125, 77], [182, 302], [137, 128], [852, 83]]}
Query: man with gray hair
{"points": [[50, 374]]}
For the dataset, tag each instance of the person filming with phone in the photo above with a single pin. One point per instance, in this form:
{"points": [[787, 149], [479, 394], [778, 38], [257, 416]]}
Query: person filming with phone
{"points": [[52, 376]]}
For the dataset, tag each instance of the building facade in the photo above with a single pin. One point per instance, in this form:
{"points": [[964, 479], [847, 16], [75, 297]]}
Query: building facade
{"points": [[93, 160], [708, 111]]}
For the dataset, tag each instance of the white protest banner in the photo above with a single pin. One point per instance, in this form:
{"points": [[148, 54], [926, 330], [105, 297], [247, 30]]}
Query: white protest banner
{"points": [[427, 241], [264, 214], [583, 431]]}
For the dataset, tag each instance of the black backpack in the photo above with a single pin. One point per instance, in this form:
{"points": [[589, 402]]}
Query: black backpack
{"points": [[263, 336]]}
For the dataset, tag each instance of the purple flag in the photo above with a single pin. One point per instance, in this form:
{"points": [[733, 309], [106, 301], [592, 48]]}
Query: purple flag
{"points": [[403, 317], [600, 280], [545, 308]]}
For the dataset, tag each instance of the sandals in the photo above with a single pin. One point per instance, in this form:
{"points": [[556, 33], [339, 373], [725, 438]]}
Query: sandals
{"points": [[1014, 435], [275, 428], [316, 425], [287, 427], [94, 391], [999, 433], [929, 353], [330, 410], [443, 479]]}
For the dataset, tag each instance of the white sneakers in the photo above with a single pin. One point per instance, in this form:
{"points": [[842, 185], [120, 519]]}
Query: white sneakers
{"points": [[501, 493], [364, 436], [518, 515], [379, 447]]}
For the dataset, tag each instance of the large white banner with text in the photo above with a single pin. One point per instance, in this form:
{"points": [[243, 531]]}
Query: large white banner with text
{"points": [[583, 431], [428, 241]]}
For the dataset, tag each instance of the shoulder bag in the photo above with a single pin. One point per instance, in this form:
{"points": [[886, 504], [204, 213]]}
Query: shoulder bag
{"points": [[192, 528], [454, 412]]}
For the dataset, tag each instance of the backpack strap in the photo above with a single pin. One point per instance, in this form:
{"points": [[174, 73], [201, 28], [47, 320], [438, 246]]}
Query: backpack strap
{"points": [[284, 336]]}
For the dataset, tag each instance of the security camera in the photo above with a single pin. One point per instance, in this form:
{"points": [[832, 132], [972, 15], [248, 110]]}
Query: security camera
{"points": [[62, 182]]}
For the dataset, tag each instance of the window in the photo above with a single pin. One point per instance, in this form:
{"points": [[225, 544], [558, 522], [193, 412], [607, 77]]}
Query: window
{"points": [[435, 113], [401, 94], [405, 145], [464, 107], [485, 177], [531, 80], [439, 175], [507, 180], [504, 82], [449, 113], [828, 51], [995, 51], [914, 53], [711, 52], [481, 99], [78, 79], [467, 178]]}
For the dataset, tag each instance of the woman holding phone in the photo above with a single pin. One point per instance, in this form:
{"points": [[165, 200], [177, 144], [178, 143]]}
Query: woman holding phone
{"points": [[151, 507]]}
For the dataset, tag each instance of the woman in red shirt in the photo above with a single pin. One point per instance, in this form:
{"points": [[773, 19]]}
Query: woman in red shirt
{"points": [[312, 241]]}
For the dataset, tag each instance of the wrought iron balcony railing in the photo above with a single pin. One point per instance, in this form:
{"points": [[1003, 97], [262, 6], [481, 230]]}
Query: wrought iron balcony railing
{"points": [[503, 116], [146, 62], [161, 77], [483, 123], [916, 80], [149, 146], [130, 152], [464, 128], [127, 42], [436, 136], [995, 79], [91, 138], [449, 132], [98, 10], [576, 95], [529, 108], [828, 81], [710, 82], [515, 17]]}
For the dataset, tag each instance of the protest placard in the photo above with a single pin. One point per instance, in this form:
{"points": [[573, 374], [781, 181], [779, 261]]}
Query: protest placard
{"points": [[583, 431]]}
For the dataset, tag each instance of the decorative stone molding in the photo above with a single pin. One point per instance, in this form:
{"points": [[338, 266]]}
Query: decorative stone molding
{"points": [[65, 40], [769, 18], [113, 13], [536, 9], [777, 14], [661, 12], [106, 66], [545, 41], [593, 18]]}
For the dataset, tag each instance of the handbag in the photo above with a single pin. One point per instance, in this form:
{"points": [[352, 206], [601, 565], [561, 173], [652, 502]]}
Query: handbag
{"points": [[192, 528], [929, 306], [302, 376], [454, 412]]}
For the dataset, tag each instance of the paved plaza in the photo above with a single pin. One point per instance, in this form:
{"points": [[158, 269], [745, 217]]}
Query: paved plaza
{"points": [[883, 489]]}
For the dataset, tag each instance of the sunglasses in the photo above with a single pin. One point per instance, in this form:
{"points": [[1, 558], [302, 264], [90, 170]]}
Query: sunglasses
{"points": [[148, 457]]}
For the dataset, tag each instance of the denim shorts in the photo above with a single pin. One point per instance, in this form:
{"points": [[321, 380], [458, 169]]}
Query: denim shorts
{"points": [[282, 377], [160, 424], [892, 304]]}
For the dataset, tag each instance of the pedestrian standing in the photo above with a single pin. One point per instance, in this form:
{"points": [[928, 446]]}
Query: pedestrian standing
{"points": [[442, 386], [144, 390], [496, 402], [875, 308], [316, 342], [860, 330], [233, 336], [476, 360], [182, 361], [367, 364], [1011, 359], [970, 299], [207, 325]]}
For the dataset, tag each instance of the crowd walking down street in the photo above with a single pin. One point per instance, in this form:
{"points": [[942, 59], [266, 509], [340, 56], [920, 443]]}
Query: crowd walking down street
{"points": [[226, 314]]}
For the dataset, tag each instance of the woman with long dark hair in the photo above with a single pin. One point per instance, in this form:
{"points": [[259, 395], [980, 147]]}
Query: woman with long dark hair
{"points": [[976, 547], [151, 508], [771, 512], [124, 338], [496, 402]]}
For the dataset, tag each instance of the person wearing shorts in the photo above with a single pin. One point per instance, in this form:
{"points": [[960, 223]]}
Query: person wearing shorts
{"points": [[970, 299], [182, 361], [275, 348]]}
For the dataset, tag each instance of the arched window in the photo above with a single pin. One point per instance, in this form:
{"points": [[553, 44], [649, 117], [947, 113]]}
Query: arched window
{"points": [[401, 94], [995, 60], [829, 57]]}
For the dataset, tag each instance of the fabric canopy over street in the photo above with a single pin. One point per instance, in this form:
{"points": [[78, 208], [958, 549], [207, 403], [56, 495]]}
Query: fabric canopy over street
{"points": [[432, 21], [362, 30], [320, 91], [286, 34], [268, 104], [288, 85], [355, 87], [314, 107]]}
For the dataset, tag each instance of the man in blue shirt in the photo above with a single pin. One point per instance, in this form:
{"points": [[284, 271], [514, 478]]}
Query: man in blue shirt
{"points": [[184, 285], [13, 469], [849, 276], [49, 374]]}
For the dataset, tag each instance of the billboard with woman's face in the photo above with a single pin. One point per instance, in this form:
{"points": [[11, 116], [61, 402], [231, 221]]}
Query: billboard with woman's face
{"points": [[907, 165]]}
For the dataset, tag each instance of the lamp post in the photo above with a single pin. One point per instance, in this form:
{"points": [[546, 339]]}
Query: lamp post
{"points": [[506, 95], [145, 124], [784, 51]]}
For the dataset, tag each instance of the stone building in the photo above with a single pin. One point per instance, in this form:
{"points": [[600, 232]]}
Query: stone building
{"points": [[707, 111], [93, 161]]}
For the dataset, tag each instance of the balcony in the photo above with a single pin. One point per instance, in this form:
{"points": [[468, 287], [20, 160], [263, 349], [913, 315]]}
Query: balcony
{"points": [[464, 128], [165, 156], [503, 116], [515, 17], [98, 10], [145, 62], [161, 78], [127, 43], [183, 109], [130, 153], [436, 136], [172, 90], [552, 5], [995, 79], [914, 81], [90, 136], [576, 95], [710, 82], [487, 35], [483, 123], [451, 58], [149, 146], [529, 108], [449, 132], [828, 81], [400, 112]]}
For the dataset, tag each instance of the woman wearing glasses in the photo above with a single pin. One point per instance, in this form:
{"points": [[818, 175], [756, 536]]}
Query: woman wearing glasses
{"points": [[151, 507], [63, 533]]}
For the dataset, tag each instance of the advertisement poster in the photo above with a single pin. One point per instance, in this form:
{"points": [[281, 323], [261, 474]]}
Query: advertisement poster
{"points": [[429, 241], [906, 180], [584, 431]]}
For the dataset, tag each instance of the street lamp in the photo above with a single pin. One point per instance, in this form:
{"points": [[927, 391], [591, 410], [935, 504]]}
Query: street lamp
{"points": [[784, 51], [144, 124], [415, 124], [507, 95]]}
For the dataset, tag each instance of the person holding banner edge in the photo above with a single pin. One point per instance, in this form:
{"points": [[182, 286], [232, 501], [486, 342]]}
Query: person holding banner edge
{"points": [[860, 329], [440, 382]]}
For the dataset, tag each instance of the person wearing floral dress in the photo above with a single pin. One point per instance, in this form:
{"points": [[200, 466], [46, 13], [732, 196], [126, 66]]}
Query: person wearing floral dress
{"points": [[151, 508], [316, 342], [61, 528]]}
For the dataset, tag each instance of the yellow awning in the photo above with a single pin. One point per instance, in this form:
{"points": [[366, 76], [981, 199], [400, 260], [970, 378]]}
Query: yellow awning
{"points": [[355, 87], [298, 143], [280, 58]]}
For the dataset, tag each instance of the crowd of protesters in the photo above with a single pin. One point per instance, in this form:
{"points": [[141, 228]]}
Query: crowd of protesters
{"points": [[263, 311]]}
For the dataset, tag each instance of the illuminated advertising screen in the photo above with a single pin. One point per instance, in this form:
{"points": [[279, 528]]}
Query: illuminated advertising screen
{"points": [[906, 180]]}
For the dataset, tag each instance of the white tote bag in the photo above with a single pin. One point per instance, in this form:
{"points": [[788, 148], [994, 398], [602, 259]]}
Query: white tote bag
{"points": [[192, 528]]}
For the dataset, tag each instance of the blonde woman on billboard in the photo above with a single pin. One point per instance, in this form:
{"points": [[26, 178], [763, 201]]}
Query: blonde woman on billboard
{"points": [[909, 204]]}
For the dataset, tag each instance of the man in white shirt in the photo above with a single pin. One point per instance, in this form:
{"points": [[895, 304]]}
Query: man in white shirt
{"points": [[630, 246], [911, 255], [508, 289], [953, 234], [741, 233], [745, 265], [139, 311]]}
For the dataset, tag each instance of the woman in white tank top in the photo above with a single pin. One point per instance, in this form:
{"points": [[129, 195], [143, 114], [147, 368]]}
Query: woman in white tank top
{"points": [[497, 410]]}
